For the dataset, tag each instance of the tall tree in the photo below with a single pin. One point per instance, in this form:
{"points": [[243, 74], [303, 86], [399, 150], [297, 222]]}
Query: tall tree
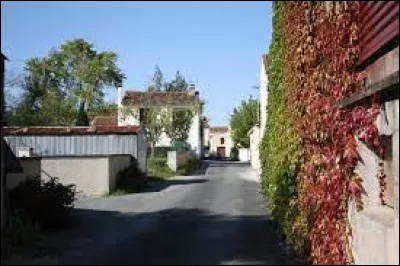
{"points": [[242, 120], [179, 125], [157, 81], [178, 84], [181, 118], [55, 84]]}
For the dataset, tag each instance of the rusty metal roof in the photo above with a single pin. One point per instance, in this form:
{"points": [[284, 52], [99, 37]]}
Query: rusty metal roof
{"points": [[379, 25], [98, 130]]}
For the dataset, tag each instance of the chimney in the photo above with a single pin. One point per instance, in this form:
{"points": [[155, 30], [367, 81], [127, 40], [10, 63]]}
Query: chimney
{"points": [[120, 95]]}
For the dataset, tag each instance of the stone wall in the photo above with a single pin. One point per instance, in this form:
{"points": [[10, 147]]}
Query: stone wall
{"points": [[375, 230]]}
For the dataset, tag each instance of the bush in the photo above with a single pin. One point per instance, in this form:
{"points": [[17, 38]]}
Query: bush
{"points": [[129, 180], [158, 167], [46, 203], [189, 166], [234, 156]]}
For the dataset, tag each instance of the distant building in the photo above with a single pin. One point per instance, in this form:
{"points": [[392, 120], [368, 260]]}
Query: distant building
{"points": [[138, 101], [220, 141]]}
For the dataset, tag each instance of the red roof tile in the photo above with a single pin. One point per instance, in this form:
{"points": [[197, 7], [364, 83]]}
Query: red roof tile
{"points": [[105, 121], [219, 129], [99, 130], [159, 98]]}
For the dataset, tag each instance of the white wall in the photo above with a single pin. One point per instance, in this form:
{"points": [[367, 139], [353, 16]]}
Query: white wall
{"points": [[244, 155], [254, 147], [215, 138]]}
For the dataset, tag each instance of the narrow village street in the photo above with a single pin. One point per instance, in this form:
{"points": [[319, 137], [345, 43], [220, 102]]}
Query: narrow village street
{"points": [[215, 217]]}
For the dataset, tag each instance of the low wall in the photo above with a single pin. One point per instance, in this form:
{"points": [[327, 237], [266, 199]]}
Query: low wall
{"points": [[93, 175], [31, 169], [244, 155], [176, 159]]}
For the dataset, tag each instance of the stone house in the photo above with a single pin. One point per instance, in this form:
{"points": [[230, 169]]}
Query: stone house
{"points": [[220, 141], [138, 101]]}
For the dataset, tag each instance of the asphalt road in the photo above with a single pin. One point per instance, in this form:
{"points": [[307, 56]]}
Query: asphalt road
{"points": [[215, 217]]}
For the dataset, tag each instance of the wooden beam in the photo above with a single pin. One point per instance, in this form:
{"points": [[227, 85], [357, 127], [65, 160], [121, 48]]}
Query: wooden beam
{"points": [[387, 87]]}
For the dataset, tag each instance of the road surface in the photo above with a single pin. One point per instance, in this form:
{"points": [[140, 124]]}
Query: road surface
{"points": [[215, 217]]}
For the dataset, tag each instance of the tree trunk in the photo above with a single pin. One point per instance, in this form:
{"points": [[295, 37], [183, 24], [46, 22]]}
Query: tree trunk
{"points": [[152, 149]]}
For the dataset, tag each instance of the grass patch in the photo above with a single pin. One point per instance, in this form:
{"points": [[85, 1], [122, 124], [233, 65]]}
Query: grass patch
{"points": [[157, 167], [189, 167]]}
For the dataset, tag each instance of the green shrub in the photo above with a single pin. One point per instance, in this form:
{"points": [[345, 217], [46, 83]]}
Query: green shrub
{"points": [[189, 166], [129, 180], [46, 203], [234, 156], [158, 167]]}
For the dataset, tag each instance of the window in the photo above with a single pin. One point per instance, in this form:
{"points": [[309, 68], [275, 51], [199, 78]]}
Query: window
{"points": [[222, 141], [142, 116]]}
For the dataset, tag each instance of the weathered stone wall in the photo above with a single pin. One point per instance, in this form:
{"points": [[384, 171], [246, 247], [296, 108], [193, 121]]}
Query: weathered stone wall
{"points": [[375, 230]]}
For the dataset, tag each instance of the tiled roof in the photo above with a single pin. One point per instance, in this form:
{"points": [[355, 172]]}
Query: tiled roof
{"points": [[159, 98], [219, 129], [111, 111], [99, 130], [105, 120]]}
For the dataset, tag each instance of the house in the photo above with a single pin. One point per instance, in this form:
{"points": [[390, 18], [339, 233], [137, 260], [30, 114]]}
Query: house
{"points": [[220, 141], [257, 132], [137, 101]]}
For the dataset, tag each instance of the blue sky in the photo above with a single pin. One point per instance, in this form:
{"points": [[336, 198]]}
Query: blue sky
{"points": [[217, 45]]}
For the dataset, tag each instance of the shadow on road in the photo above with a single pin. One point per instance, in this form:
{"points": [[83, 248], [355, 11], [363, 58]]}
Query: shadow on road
{"points": [[154, 184], [173, 236]]}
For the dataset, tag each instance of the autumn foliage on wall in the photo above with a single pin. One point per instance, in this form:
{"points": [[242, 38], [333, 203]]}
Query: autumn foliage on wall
{"points": [[318, 59]]}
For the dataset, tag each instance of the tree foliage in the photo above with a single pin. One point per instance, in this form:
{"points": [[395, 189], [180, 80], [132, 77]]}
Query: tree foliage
{"points": [[242, 120], [178, 126], [55, 85]]}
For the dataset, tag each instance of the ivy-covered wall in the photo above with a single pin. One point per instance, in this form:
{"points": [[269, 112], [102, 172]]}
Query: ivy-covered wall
{"points": [[309, 151]]}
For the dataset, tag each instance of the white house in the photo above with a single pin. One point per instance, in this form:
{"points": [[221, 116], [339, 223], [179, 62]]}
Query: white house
{"points": [[257, 132], [137, 100]]}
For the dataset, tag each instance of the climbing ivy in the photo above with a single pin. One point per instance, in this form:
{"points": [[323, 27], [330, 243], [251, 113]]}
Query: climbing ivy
{"points": [[309, 152]]}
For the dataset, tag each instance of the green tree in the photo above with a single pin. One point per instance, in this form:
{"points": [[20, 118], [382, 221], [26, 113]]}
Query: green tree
{"points": [[180, 118], [157, 81], [82, 116], [178, 84], [242, 120], [179, 124], [155, 119], [55, 84]]}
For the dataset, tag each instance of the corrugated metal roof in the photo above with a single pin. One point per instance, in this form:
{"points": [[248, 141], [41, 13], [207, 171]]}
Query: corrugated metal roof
{"points": [[379, 24], [99, 130]]}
